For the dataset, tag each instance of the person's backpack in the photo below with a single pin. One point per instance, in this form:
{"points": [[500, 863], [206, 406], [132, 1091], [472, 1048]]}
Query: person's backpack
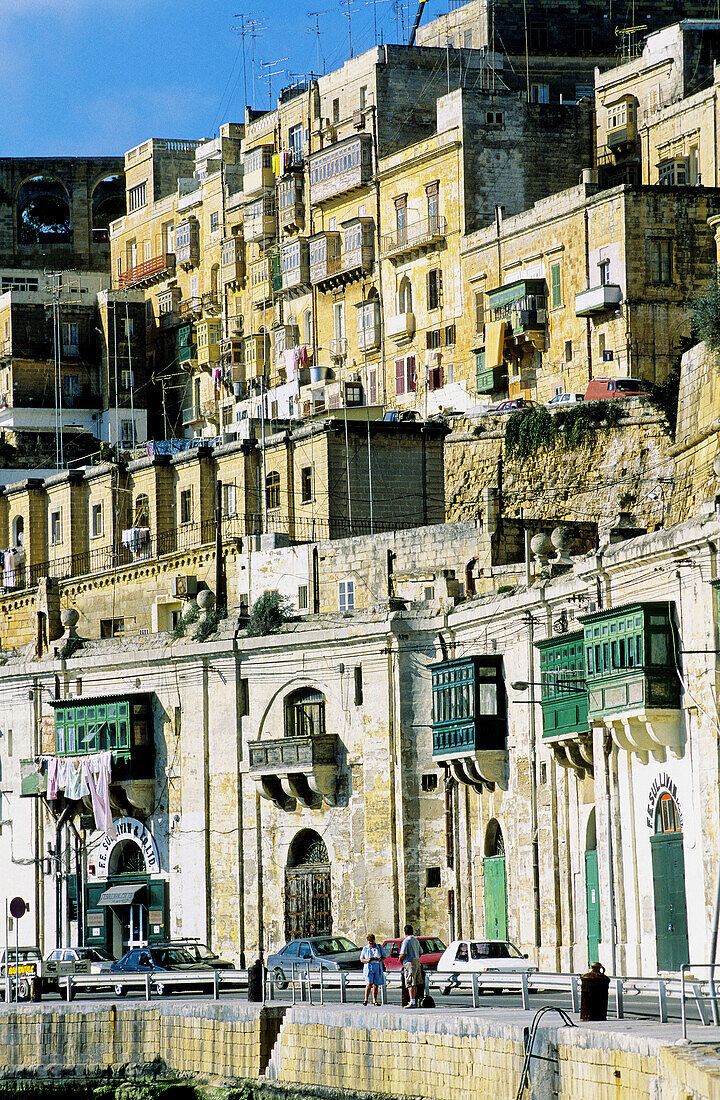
{"points": [[428, 1001]]}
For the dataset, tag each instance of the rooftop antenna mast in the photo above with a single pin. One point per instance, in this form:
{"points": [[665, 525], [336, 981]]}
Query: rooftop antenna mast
{"points": [[254, 28], [270, 74], [348, 15], [243, 31], [316, 16]]}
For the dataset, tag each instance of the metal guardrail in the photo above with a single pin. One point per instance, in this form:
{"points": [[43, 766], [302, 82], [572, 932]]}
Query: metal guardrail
{"points": [[153, 982], [702, 992]]}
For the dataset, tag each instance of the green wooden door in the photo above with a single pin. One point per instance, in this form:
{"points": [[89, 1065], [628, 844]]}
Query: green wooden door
{"points": [[592, 905], [495, 898], [668, 865]]}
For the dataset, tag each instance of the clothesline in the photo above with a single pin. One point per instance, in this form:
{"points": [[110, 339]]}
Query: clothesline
{"points": [[79, 776]]}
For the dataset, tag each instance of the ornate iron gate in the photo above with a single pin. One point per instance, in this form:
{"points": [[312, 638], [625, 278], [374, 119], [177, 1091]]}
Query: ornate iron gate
{"points": [[308, 901]]}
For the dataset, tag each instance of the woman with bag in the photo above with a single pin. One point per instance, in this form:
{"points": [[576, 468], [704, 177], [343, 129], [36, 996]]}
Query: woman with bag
{"points": [[373, 969]]}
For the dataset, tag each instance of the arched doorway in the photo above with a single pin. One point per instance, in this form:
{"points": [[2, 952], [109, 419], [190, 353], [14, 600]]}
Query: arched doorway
{"points": [[668, 867], [495, 890], [592, 890], [308, 902]]}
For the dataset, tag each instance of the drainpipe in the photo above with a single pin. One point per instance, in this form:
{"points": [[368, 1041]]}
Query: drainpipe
{"points": [[533, 783]]}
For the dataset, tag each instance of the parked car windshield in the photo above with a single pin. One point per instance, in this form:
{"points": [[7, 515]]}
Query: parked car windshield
{"points": [[430, 946], [334, 945], [24, 954], [174, 956], [92, 954]]}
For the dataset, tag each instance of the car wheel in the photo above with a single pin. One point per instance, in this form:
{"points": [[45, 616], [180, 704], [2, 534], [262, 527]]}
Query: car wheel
{"points": [[23, 990], [279, 978], [119, 989], [160, 988]]}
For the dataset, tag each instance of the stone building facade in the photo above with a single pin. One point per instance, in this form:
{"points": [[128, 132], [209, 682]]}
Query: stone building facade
{"points": [[557, 819], [588, 283]]}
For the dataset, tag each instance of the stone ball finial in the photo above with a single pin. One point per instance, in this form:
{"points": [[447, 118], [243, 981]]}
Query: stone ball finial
{"points": [[69, 618], [206, 600], [541, 547], [560, 538]]}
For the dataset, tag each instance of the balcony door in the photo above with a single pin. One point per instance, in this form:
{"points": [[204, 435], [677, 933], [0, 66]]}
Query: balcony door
{"points": [[592, 892], [668, 866], [308, 888], [495, 884]]}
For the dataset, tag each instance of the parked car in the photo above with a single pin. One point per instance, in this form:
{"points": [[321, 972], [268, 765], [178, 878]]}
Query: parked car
{"points": [[513, 404], [480, 956], [400, 416], [201, 953], [608, 389], [432, 949], [162, 958], [565, 399], [26, 964], [73, 960], [316, 952]]}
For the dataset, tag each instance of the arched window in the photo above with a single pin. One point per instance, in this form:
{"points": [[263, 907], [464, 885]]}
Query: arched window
{"points": [[405, 296], [43, 212], [142, 511], [128, 859], [307, 849], [666, 815], [18, 532], [272, 490], [305, 713], [494, 843], [108, 203]]}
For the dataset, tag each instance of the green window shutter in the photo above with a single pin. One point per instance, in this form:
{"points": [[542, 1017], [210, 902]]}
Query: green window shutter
{"points": [[555, 286]]}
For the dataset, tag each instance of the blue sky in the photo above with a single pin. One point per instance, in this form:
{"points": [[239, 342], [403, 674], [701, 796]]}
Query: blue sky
{"points": [[96, 77]]}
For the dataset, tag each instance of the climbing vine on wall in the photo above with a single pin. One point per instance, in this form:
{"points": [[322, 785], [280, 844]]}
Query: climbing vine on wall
{"points": [[526, 432]]}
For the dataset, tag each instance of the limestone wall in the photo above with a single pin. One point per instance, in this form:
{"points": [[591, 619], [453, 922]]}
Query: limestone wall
{"points": [[614, 471], [696, 439], [281, 1051]]}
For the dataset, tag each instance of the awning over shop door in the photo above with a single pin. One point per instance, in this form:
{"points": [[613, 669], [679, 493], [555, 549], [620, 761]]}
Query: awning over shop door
{"points": [[121, 895]]}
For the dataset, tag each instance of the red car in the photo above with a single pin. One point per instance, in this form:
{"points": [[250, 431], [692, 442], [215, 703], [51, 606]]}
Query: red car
{"points": [[513, 404], [432, 949]]}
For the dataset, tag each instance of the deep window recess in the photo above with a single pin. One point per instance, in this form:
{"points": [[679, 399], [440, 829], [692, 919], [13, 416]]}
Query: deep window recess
{"points": [[305, 713]]}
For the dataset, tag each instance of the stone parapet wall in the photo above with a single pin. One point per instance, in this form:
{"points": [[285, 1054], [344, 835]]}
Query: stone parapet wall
{"points": [[332, 1051], [614, 471]]}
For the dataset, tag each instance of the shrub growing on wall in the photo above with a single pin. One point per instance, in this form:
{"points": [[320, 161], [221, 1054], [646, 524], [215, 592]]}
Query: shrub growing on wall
{"points": [[526, 432], [268, 614], [705, 310]]}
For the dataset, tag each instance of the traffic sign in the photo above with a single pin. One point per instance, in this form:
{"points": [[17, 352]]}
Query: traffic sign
{"points": [[18, 907]]}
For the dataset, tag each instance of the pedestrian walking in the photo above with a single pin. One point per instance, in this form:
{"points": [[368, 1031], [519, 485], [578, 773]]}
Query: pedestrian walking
{"points": [[410, 951], [373, 969]]}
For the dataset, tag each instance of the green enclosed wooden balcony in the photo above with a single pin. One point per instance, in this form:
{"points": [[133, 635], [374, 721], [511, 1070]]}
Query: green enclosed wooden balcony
{"points": [[522, 305], [631, 656], [122, 725], [469, 719], [564, 701]]}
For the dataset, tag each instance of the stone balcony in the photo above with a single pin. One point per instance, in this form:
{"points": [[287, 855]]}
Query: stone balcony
{"points": [[292, 770]]}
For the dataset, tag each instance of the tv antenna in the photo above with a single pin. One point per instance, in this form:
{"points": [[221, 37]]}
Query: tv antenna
{"points": [[316, 31], [250, 28], [272, 72]]}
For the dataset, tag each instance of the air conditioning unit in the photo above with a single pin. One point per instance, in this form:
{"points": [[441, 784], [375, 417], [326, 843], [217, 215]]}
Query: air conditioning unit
{"points": [[184, 588], [359, 119]]}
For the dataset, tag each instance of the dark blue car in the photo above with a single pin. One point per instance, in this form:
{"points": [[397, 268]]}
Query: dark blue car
{"points": [[167, 959]]}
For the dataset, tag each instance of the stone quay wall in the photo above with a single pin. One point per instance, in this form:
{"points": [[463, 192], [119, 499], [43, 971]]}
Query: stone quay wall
{"points": [[334, 1051]]}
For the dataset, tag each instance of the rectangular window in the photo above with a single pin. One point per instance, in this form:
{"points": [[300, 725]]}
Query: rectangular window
{"points": [[336, 110], [538, 37], [186, 505], [410, 374], [434, 288], [539, 93], [358, 685], [494, 120], [399, 377], [96, 520], [659, 260], [55, 528], [126, 379], [467, 42], [583, 36], [432, 192], [568, 351], [601, 344], [449, 335], [302, 600], [229, 498], [555, 286], [604, 271], [363, 97], [137, 196], [111, 628], [373, 387], [214, 221], [346, 595], [306, 485], [71, 387], [435, 378], [433, 338], [479, 312], [127, 433], [71, 340]]}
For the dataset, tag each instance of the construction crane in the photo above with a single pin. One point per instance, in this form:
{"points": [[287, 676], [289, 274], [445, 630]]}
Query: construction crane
{"points": [[416, 24]]}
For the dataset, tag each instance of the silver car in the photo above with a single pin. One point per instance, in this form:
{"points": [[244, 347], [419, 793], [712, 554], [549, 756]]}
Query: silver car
{"points": [[315, 953]]}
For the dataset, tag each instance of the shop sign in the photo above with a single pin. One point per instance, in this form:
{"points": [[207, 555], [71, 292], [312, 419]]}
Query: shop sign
{"points": [[662, 785], [129, 828]]}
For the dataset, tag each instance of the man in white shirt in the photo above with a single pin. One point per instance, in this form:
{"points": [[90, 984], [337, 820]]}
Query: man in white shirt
{"points": [[410, 952]]}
